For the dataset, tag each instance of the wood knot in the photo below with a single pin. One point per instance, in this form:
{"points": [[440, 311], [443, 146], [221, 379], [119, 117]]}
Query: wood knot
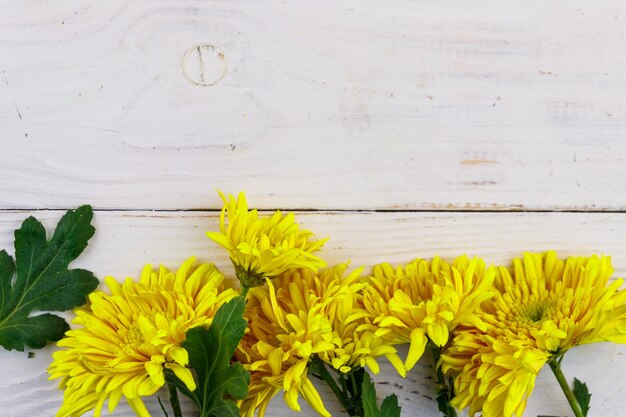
{"points": [[204, 65]]}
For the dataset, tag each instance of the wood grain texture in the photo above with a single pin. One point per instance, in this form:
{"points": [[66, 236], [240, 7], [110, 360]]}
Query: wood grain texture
{"points": [[353, 105], [124, 241], [414, 107]]}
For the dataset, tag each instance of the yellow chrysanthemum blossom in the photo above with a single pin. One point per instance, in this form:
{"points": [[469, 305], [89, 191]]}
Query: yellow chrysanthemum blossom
{"points": [[545, 308], [263, 247], [125, 340], [426, 300], [299, 317]]}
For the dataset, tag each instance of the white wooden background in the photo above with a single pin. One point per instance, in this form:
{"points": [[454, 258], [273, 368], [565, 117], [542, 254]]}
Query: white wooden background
{"points": [[399, 128]]}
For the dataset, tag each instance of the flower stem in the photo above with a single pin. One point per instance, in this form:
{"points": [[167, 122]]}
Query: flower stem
{"points": [[355, 389], [326, 377], [244, 291], [344, 386], [162, 407], [174, 400], [443, 391], [555, 365]]}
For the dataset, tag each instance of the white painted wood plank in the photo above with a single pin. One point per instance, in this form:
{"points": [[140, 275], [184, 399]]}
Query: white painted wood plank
{"points": [[126, 240], [352, 105]]}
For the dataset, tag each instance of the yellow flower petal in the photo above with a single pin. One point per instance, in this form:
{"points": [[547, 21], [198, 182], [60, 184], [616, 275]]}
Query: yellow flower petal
{"points": [[544, 308], [263, 247], [184, 374], [123, 341], [416, 348]]}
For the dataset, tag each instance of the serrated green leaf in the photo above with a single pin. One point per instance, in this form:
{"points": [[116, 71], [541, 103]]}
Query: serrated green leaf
{"points": [[389, 407], [581, 392], [210, 353], [39, 280]]}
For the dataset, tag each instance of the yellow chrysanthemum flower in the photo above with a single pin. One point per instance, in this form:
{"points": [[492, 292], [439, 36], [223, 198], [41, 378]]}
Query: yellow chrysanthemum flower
{"points": [[299, 317], [263, 247], [545, 308], [126, 339], [426, 300]]}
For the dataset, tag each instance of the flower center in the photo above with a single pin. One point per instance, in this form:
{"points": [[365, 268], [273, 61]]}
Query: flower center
{"points": [[133, 336], [537, 311]]}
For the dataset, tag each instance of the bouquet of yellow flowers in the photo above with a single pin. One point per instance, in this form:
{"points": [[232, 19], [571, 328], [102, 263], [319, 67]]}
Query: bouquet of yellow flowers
{"points": [[489, 330]]}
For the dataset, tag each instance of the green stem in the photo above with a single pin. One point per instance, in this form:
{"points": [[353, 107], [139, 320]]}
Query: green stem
{"points": [[162, 407], [443, 391], [174, 400], [555, 365], [326, 377], [244, 291], [355, 389], [357, 393], [344, 386]]}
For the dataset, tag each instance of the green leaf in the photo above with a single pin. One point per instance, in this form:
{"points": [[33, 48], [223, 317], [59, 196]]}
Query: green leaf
{"points": [[581, 392], [210, 353], [389, 407], [39, 280]]}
